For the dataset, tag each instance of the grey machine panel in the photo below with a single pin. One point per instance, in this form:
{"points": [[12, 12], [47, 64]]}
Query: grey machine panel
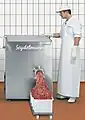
{"points": [[22, 54]]}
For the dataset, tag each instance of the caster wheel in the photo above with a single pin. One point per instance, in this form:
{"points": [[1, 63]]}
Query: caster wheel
{"points": [[37, 117], [50, 117], [9, 100]]}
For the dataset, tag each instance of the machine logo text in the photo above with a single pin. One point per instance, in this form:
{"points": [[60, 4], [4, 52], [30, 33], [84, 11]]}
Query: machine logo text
{"points": [[28, 47]]}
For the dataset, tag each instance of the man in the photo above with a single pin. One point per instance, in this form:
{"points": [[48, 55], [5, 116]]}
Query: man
{"points": [[69, 77]]}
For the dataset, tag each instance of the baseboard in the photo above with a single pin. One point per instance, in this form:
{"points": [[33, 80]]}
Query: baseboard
{"points": [[82, 81], [1, 81]]}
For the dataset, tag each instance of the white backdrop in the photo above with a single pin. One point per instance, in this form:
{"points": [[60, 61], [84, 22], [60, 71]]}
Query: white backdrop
{"points": [[35, 17]]}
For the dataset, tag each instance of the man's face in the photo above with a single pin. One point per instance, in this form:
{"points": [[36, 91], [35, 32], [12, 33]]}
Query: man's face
{"points": [[63, 14]]}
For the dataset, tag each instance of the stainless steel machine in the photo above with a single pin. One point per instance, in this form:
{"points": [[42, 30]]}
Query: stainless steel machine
{"points": [[22, 55]]}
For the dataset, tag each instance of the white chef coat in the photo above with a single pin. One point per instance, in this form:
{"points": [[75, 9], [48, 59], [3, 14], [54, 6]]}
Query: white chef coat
{"points": [[69, 75]]}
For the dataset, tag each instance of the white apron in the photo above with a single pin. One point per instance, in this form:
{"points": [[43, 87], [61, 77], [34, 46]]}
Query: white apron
{"points": [[69, 75]]}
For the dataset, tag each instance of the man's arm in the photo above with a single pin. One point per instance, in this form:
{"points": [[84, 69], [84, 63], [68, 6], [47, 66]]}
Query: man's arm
{"points": [[77, 32], [56, 35], [76, 43]]}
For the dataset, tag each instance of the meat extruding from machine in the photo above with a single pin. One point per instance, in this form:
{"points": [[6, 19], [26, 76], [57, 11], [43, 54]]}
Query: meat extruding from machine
{"points": [[41, 95], [41, 90]]}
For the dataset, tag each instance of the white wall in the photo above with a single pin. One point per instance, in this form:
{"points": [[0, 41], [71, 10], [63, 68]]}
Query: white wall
{"points": [[34, 17]]}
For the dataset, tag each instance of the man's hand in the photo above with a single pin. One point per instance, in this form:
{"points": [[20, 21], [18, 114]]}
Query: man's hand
{"points": [[76, 41], [48, 34], [56, 35]]}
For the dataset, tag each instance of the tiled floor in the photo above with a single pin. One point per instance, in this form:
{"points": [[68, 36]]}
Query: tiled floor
{"points": [[17, 110]]}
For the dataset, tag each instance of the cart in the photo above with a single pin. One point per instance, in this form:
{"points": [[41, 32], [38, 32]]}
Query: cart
{"points": [[41, 107]]}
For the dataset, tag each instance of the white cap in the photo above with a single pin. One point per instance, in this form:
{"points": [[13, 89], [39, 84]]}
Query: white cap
{"points": [[62, 8]]}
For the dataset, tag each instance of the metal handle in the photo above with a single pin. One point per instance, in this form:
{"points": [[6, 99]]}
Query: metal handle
{"points": [[4, 41]]}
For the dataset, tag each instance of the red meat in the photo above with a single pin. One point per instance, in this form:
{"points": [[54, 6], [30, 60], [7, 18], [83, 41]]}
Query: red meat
{"points": [[41, 91]]}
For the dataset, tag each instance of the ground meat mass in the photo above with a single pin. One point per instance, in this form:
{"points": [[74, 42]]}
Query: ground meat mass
{"points": [[41, 90]]}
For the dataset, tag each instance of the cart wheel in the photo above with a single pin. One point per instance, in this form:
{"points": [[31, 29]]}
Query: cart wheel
{"points": [[37, 117], [50, 117]]}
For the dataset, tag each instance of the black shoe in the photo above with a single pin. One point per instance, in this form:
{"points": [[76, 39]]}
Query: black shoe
{"points": [[60, 97]]}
